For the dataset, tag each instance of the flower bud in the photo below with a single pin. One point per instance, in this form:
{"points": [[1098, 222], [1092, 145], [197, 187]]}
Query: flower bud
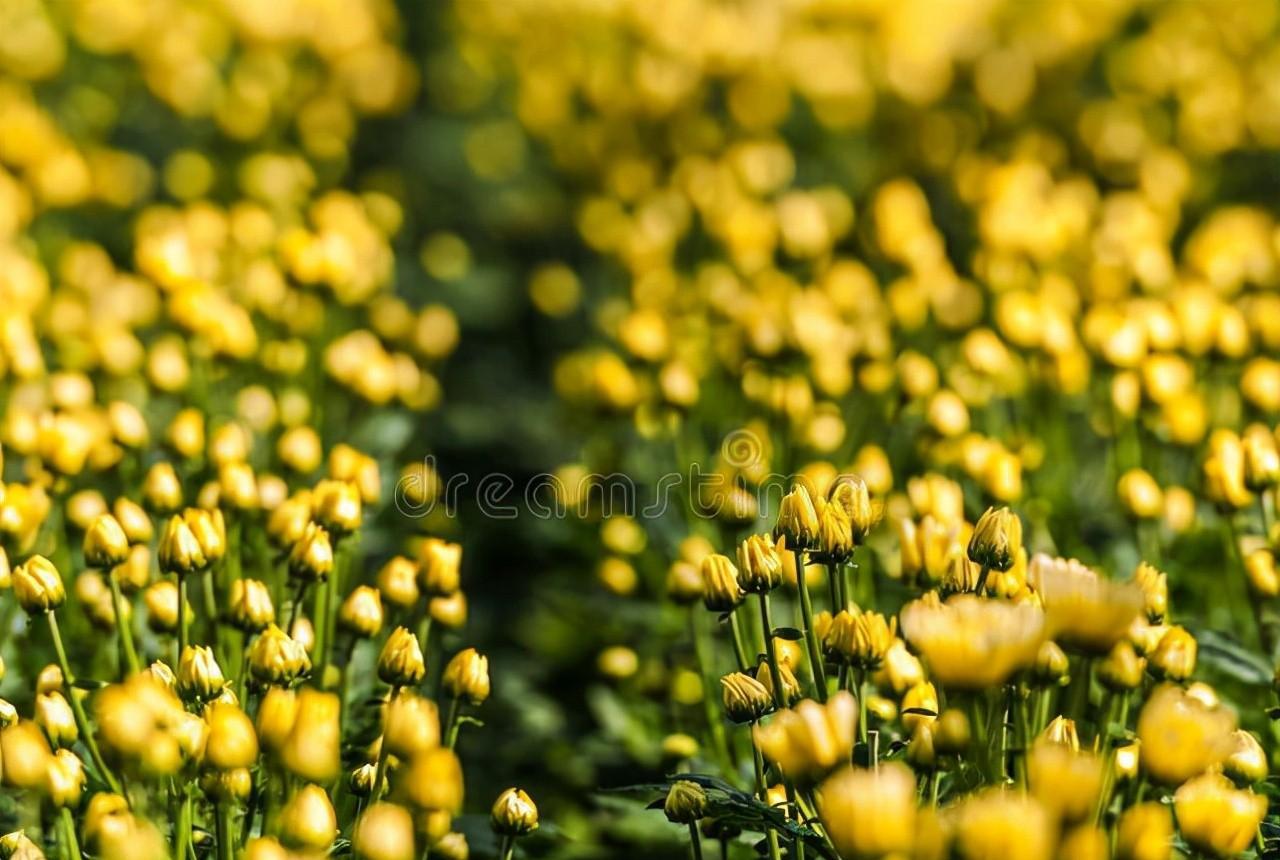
{"points": [[311, 558], [161, 489], [1215, 817], [250, 608], [105, 543], [434, 780], [452, 846], [1247, 763], [210, 531], [18, 846], [797, 519], [410, 724], [311, 751], [1061, 731], [276, 716], [996, 539], [227, 785], [384, 832], [439, 563], [54, 716], [135, 573], [398, 582], [1175, 657], [920, 750], [185, 433], [360, 782], [401, 663], [289, 520], [835, 536], [133, 521], [337, 507], [275, 658], [449, 612], [686, 802], [361, 612], [745, 698], [1260, 569], [308, 821], [66, 779], [791, 690], [467, 676], [1145, 832], [238, 486], [232, 742], [199, 675], [759, 565], [1155, 591], [25, 754], [1141, 495], [1122, 668], [513, 814], [161, 599], [179, 551], [37, 586], [684, 582], [720, 589], [1051, 666]]}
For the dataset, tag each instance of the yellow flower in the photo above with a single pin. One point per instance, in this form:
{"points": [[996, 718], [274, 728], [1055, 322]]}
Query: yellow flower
{"points": [[807, 741], [1140, 495], [466, 676], [384, 832], [759, 565], [1066, 781], [995, 824], [513, 813], [971, 642], [798, 520], [686, 802], [870, 813], [721, 591], [361, 613], [105, 544], [401, 664], [1182, 736], [38, 586], [410, 724], [745, 699], [1083, 610], [1175, 656], [997, 537], [308, 820], [249, 607], [1145, 832], [439, 564], [1216, 817], [232, 742], [1247, 762], [312, 748]]}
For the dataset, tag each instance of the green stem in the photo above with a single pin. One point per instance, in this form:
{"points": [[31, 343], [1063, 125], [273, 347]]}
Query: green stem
{"points": [[506, 848], [762, 791], [714, 724], [124, 626], [69, 832], [797, 844], [451, 723], [77, 708], [182, 618], [810, 638], [982, 579], [739, 649], [380, 772], [771, 653], [182, 830], [222, 811], [299, 595], [861, 681], [695, 841]]}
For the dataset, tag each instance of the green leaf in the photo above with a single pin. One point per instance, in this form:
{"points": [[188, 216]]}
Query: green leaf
{"points": [[791, 634], [1231, 658]]}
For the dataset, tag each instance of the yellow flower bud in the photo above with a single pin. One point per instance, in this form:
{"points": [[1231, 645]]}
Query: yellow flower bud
{"points": [[791, 690], [439, 564], [308, 821], [401, 663], [798, 519], [105, 543], [1052, 666], [807, 741], [745, 698], [179, 551], [199, 675], [684, 582], [410, 724], [449, 612], [337, 507], [232, 742], [161, 599], [996, 539], [384, 832], [1181, 735], [288, 522], [238, 486], [161, 488], [870, 813], [361, 780], [25, 754], [434, 780], [227, 785], [759, 565], [185, 433], [210, 531], [1122, 669], [513, 814], [18, 846], [466, 676], [686, 802], [452, 846], [312, 749], [1145, 832], [133, 520], [311, 559], [361, 612], [276, 658], [720, 589], [1175, 657], [299, 449], [1216, 817], [276, 716], [37, 586], [1247, 762], [398, 582], [249, 607], [1140, 495], [1260, 569], [54, 716]]}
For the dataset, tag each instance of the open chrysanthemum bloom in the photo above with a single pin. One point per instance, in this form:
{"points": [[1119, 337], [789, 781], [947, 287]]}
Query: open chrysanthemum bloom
{"points": [[970, 642]]}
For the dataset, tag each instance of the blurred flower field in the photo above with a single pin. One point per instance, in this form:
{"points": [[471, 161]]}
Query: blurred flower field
{"points": [[616, 429]]}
